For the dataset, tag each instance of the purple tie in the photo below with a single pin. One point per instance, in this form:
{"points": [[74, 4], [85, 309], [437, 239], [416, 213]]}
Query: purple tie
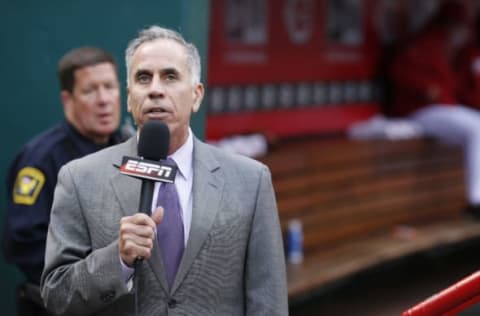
{"points": [[170, 230]]}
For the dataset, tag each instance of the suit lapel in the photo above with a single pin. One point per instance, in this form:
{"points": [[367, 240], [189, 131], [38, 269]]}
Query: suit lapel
{"points": [[127, 192], [127, 189], [206, 194], [156, 264]]}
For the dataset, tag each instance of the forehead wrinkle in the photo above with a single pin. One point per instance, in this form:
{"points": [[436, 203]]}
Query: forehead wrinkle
{"points": [[160, 55]]}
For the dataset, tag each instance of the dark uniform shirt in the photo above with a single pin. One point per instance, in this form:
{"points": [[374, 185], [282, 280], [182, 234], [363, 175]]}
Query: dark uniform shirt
{"points": [[31, 182]]}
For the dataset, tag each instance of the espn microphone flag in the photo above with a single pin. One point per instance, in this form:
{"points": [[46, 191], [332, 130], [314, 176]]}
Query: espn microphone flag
{"points": [[148, 169]]}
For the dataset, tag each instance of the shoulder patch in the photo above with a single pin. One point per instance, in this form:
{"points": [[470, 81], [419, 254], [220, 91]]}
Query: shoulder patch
{"points": [[28, 184]]}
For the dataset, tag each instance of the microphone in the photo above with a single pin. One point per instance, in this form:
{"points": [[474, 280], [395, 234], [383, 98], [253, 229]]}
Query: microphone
{"points": [[153, 145], [152, 148]]}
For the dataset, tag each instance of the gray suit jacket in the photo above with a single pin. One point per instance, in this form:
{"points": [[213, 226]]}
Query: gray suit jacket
{"points": [[233, 263]]}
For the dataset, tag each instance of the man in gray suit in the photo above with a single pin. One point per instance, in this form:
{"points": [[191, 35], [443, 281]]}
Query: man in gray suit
{"points": [[231, 260]]}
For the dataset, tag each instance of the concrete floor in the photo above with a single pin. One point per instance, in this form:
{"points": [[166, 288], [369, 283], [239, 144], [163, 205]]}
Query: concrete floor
{"points": [[393, 288]]}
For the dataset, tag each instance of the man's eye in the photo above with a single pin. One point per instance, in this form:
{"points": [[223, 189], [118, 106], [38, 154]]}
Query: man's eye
{"points": [[111, 86], [89, 90], [170, 77], [143, 78]]}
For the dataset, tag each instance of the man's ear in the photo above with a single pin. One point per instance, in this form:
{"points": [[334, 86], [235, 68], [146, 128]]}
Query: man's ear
{"points": [[198, 93], [67, 102], [129, 109]]}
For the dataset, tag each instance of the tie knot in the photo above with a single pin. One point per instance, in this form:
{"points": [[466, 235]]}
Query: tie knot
{"points": [[171, 162]]}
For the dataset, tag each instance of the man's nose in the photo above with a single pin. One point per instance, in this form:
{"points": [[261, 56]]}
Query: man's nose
{"points": [[105, 95], [157, 88]]}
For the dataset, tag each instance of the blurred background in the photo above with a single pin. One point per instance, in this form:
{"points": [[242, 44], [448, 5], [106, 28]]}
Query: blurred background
{"points": [[283, 69]]}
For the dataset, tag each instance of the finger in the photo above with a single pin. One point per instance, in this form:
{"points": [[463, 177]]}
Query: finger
{"points": [[130, 251], [137, 241], [138, 219], [142, 219], [157, 215], [131, 247], [144, 231]]}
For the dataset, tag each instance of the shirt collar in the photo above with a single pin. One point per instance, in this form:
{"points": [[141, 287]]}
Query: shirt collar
{"points": [[183, 157], [85, 145]]}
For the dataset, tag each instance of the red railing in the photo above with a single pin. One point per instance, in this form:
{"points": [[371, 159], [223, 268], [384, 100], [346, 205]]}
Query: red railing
{"points": [[450, 301]]}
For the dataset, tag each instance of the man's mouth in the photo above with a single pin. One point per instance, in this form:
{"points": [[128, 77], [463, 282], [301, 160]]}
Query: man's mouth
{"points": [[155, 110], [156, 113]]}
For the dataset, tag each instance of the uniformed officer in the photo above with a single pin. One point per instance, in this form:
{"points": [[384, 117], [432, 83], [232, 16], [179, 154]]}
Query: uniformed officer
{"points": [[90, 94]]}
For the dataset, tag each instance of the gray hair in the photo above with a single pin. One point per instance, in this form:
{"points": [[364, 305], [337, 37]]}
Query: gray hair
{"points": [[155, 32]]}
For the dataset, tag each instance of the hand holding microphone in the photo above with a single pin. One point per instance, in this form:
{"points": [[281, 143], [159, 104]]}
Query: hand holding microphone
{"points": [[138, 232], [137, 235]]}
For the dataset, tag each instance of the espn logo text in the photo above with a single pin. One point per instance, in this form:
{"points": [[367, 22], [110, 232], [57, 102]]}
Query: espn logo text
{"points": [[148, 169]]}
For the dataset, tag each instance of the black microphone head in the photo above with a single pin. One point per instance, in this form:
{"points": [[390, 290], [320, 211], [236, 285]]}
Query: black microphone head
{"points": [[154, 140]]}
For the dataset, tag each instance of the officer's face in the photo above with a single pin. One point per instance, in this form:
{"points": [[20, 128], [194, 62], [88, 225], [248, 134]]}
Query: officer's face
{"points": [[160, 88], [94, 105]]}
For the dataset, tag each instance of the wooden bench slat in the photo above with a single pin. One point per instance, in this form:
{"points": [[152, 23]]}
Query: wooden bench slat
{"points": [[350, 196], [327, 266], [323, 197]]}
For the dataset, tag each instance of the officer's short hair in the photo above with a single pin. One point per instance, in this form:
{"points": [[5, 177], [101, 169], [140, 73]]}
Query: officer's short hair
{"points": [[79, 58]]}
